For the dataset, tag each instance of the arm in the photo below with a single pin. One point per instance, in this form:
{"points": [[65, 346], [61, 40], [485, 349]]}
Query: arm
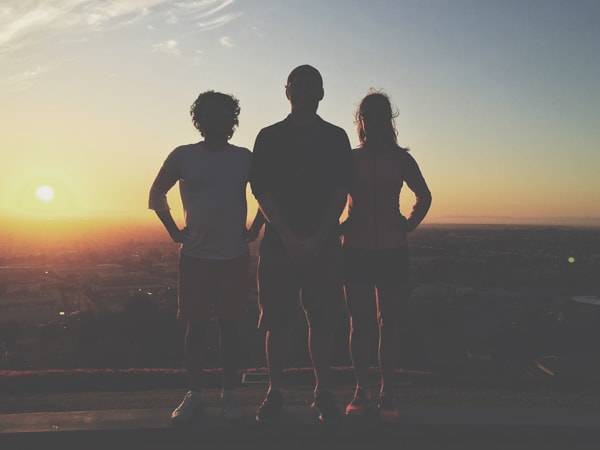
{"points": [[270, 212], [261, 182], [166, 178], [341, 179], [332, 215], [415, 181]]}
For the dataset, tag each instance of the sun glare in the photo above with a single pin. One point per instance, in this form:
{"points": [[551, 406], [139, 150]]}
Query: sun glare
{"points": [[45, 194]]}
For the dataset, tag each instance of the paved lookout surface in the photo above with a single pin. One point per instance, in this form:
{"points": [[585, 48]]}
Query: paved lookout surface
{"points": [[420, 426]]}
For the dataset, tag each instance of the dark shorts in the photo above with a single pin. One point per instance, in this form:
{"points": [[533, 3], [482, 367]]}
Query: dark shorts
{"points": [[212, 288], [282, 282]]}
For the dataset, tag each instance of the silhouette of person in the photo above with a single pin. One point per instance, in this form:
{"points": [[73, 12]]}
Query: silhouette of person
{"points": [[300, 176], [376, 259], [213, 262]]}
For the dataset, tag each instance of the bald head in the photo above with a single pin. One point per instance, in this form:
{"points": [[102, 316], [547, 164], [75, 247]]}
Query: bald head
{"points": [[304, 88]]}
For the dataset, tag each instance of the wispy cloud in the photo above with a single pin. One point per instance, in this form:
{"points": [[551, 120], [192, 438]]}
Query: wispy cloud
{"points": [[24, 80], [206, 8], [27, 22], [226, 41], [258, 32], [172, 18], [218, 22], [170, 47]]}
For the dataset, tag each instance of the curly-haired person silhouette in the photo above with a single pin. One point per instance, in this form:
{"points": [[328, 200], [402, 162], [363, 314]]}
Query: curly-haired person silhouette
{"points": [[213, 262]]}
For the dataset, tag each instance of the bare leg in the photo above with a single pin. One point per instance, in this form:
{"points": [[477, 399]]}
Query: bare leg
{"points": [[275, 345], [319, 346], [194, 339], [230, 352], [361, 304], [391, 305]]}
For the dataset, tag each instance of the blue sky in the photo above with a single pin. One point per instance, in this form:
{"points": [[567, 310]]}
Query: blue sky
{"points": [[498, 101]]}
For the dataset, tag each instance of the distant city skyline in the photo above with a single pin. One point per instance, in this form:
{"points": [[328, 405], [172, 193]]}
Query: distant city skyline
{"points": [[498, 101]]}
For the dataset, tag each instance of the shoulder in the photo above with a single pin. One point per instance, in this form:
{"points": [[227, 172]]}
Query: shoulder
{"points": [[184, 149], [268, 137], [241, 151], [334, 130], [179, 152], [405, 157], [273, 129]]}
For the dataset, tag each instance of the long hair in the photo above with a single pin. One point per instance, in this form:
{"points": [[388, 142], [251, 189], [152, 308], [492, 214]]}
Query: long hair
{"points": [[375, 121]]}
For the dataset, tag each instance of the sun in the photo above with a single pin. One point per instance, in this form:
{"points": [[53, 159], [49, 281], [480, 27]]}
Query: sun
{"points": [[44, 193]]}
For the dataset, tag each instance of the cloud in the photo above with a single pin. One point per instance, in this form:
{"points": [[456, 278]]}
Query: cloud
{"points": [[24, 80], [170, 47], [258, 32], [28, 22], [206, 8], [226, 41], [218, 22], [171, 18]]}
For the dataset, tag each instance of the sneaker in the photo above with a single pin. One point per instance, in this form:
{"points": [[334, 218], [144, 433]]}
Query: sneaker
{"points": [[231, 405], [188, 408], [359, 406], [271, 407], [388, 406], [325, 407]]}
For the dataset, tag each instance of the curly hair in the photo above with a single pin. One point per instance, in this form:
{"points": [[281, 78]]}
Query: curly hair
{"points": [[374, 120], [215, 114]]}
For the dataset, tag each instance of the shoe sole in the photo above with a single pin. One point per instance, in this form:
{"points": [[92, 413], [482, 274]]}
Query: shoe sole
{"points": [[320, 420], [357, 412], [195, 414], [272, 420]]}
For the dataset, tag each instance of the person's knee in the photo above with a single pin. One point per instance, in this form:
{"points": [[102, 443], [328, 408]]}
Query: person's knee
{"points": [[274, 328]]}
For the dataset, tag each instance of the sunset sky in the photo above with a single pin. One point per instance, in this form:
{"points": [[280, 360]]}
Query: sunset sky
{"points": [[499, 101]]}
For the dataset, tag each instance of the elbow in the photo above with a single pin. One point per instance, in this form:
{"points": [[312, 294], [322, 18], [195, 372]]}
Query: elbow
{"points": [[425, 199], [157, 201]]}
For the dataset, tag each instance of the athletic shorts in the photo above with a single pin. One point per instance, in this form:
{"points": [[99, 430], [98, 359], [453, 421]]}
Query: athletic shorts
{"points": [[316, 282], [212, 288]]}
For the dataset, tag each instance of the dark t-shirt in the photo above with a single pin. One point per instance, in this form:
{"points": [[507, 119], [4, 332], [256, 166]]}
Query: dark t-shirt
{"points": [[301, 167]]}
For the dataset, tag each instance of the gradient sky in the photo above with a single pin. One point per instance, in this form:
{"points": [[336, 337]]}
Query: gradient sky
{"points": [[499, 101]]}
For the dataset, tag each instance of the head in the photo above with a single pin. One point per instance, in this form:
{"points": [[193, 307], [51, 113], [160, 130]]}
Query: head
{"points": [[375, 120], [304, 88], [215, 115]]}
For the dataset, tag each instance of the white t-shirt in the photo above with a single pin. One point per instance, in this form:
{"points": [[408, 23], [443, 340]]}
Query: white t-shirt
{"points": [[212, 184]]}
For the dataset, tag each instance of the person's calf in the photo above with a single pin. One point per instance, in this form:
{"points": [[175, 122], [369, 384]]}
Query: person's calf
{"points": [[387, 353], [360, 341], [319, 343], [230, 352], [194, 340], [275, 349]]}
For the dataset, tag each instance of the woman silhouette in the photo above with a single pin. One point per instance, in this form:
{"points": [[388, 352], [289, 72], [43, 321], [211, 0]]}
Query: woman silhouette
{"points": [[375, 246]]}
